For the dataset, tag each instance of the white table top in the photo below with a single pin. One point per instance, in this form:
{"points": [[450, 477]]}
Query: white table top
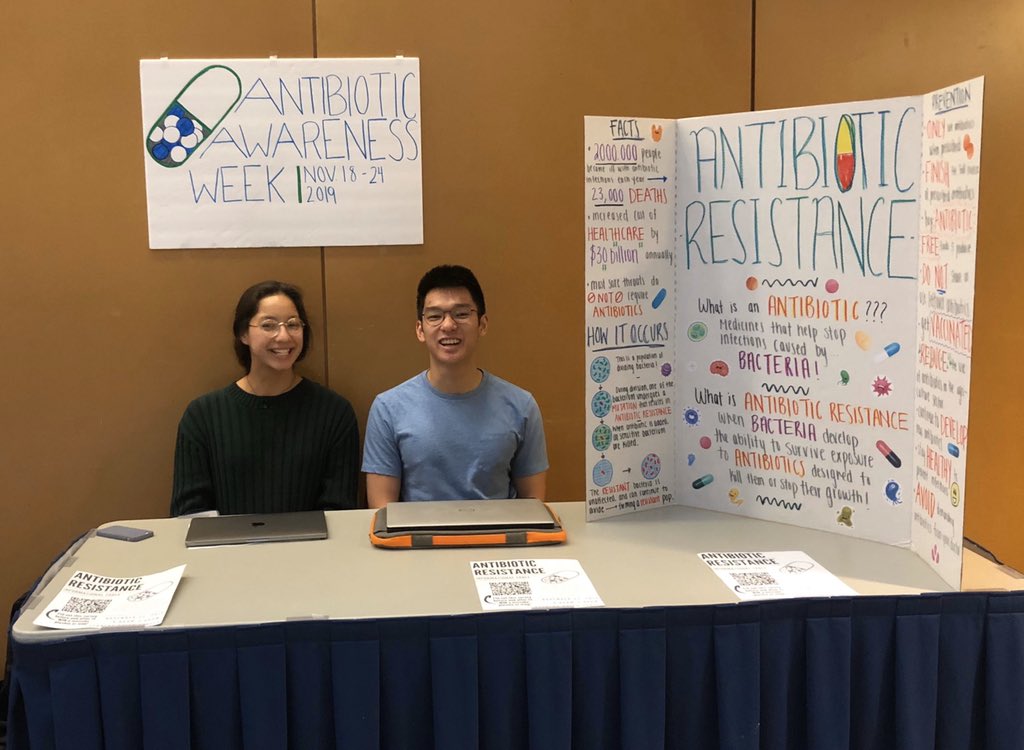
{"points": [[644, 559]]}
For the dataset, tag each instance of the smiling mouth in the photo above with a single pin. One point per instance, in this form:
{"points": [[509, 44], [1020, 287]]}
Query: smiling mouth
{"points": [[450, 342]]}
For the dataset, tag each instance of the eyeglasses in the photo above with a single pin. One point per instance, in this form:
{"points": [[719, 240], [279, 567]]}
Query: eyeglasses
{"points": [[435, 316], [271, 326]]}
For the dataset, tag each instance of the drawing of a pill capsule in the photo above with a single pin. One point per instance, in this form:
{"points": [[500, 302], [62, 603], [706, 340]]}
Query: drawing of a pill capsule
{"points": [[889, 453], [193, 115], [703, 481], [889, 351], [846, 153]]}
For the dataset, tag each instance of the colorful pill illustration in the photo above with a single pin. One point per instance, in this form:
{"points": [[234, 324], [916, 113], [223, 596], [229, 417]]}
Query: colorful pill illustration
{"points": [[889, 453], [193, 114], [659, 298], [888, 351], [704, 481], [954, 451], [862, 339], [846, 153]]}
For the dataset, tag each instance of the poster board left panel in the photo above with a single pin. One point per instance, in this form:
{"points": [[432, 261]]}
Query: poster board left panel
{"points": [[630, 300]]}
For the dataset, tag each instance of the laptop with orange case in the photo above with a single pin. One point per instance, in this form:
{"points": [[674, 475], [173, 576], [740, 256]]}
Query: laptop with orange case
{"points": [[521, 522]]}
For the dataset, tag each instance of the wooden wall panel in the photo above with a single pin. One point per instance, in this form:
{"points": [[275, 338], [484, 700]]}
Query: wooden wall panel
{"points": [[505, 87], [812, 53], [105, 340]]}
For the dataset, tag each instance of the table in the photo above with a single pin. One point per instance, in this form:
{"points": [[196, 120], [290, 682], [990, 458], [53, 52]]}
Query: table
{"points": [[334, 643]]}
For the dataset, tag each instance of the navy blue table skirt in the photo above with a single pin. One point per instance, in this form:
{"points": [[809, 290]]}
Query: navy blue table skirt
{"points": [[933, 671]]}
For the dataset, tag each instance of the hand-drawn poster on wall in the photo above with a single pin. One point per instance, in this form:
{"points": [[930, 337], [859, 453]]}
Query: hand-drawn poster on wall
{"points": [[629, 293], [268, 153], [821, 319], [945, 309]]}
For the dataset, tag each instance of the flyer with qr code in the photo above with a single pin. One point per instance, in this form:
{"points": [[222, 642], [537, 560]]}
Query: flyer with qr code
{"points": [[94, 601], [533, 584], [774, 575]]}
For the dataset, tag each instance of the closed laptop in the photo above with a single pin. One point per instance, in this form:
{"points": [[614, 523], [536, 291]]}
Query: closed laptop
{"points": [[439, 516], [256, 528]]}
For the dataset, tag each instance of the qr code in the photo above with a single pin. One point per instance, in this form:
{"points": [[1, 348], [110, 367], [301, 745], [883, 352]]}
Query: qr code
{"points": [[82, 606], [510, 588], [754, 579]]}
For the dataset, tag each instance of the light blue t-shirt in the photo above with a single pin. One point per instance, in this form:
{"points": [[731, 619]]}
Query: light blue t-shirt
{"points": [[462, 446]]}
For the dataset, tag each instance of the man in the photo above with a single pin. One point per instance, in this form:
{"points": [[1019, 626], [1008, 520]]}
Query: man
{"points": [[453, 432]]}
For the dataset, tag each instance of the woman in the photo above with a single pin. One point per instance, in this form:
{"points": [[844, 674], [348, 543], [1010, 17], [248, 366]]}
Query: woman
{"points": [[272, 441]]}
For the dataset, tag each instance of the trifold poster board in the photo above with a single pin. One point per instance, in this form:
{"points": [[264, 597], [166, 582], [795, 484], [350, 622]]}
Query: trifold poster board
{"points": [[779, 315], [270, 153]]}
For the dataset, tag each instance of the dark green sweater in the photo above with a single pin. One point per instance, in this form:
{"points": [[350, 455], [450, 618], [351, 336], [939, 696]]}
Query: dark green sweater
{"points": [[239, 453]]}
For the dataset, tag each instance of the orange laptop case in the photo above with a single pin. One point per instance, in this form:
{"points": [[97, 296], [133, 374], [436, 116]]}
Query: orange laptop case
{"points": [[521, 522]]}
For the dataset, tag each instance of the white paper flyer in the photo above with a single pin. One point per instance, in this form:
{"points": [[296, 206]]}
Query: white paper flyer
{"points": [[774, 575], [94, 601], [533, 584]]}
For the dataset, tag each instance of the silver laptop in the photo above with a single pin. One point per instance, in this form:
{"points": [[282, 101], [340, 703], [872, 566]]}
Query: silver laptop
{"points": [[256, 527], [441, 515]]}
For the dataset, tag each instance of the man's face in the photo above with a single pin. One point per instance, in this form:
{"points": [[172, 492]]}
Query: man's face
{"points": [[450, 326]]}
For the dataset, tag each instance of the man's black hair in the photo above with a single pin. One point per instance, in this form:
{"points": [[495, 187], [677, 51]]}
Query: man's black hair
{"points": [[450, 277]]}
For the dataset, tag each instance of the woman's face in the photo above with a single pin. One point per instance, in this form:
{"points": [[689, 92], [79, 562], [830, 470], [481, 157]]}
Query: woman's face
{"points": [[277, 350]]}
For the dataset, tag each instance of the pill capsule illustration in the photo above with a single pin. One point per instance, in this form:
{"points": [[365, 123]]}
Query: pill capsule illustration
{"points": [[193, 115], [862, 339], [954, 451], [846, 153], [889, 453], [888, 351], [704, 481], [659, 298]]}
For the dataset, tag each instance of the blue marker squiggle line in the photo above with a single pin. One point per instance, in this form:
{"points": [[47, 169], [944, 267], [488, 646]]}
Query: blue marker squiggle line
{"points": [[790, 282], [765, 500], [773, 388]]}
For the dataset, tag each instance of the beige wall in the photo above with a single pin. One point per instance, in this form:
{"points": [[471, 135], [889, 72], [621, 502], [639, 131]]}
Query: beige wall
{"points": [[505, 87], [878, 49], [107, 340]]}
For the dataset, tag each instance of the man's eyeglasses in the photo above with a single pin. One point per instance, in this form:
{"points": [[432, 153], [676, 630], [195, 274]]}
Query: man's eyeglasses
{"points": [[270, 326], [434, 317]]}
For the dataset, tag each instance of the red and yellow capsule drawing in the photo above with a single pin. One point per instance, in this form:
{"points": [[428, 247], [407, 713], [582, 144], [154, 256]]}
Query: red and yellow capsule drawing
{"points": [[846, 153]]}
